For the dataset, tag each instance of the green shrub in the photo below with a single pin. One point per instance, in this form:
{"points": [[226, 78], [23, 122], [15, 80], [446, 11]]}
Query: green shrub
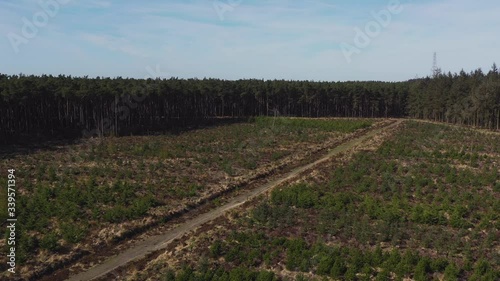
{"points": [[301, 195], [266, 276], [72, 232], [338, 269], [451, 273], [216, 249], [422, 269], [325, 265], [168, 276], [296, 253], [50, 241], [384, 275]]}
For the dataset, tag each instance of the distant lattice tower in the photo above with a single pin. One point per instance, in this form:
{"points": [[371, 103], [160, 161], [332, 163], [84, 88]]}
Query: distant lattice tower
{"points": [[435, 69]]}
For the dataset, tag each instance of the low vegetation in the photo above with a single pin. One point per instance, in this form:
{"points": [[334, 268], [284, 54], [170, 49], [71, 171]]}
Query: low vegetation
{"points": [[73, 197], [425, 205]]}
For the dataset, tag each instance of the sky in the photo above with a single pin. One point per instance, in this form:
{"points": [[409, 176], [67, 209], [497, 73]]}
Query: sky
{"points": [[316, 40]]}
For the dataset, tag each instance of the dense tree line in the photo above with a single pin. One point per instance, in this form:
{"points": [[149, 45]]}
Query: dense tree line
{"points": [[462, 98], [51, 106], [72, 106]]}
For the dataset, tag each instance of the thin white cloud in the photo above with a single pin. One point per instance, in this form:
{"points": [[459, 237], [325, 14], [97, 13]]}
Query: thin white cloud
{"points": [[114, 44], [101, 4]]}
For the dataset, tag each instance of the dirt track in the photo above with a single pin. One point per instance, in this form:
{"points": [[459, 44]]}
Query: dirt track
{"points": [[142, 248]]}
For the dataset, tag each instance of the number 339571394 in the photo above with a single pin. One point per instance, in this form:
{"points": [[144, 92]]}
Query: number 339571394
{"points": [[11, 192]]}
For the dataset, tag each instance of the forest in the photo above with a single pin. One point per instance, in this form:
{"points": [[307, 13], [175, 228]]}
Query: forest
{"points": [[37, 107], [471, 99]]}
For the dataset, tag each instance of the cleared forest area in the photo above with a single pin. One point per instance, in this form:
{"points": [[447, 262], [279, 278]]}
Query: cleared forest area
{"points": [[423, 205], [77, 198]]}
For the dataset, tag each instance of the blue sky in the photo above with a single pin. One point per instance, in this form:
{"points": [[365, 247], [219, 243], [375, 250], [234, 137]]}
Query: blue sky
{"points": [[272, 39]]}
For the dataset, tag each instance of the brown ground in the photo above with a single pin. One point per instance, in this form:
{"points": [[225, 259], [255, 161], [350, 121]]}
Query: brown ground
{"points": [[152, 246]]}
